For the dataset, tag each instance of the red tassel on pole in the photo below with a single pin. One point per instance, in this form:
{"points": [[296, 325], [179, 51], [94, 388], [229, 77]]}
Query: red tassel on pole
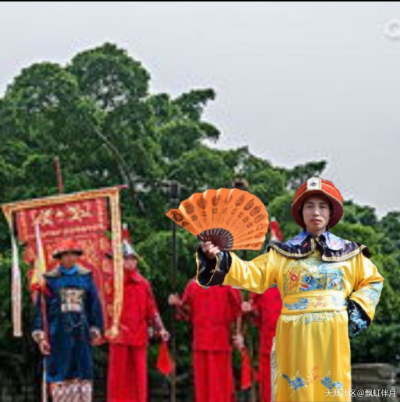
{"points": [[246, 370], [165, 364]]}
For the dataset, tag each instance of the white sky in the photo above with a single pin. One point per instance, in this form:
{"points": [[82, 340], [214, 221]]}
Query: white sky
{"points": [[295, 81]]}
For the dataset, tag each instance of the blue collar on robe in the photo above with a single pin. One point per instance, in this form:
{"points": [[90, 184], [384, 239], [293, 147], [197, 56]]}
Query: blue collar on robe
{"points": [[332, 242], [68, 271], [60, 271], [333, 248]]}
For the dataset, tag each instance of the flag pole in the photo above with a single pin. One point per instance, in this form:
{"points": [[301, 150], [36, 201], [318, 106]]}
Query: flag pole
{"points": [[59, 176], [42, 262], [174, 197], [40, 270]]}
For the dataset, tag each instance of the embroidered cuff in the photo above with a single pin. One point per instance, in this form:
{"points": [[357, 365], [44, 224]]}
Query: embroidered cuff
{"points": [[358, 319], [212, 272]]}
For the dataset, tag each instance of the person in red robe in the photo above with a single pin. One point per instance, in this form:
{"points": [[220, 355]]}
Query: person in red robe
{"points": [[212, 314], [127, 370], [265, 309]]}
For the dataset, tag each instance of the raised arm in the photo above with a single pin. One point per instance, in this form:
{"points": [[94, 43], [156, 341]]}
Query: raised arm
{"points": [[215, 267]]}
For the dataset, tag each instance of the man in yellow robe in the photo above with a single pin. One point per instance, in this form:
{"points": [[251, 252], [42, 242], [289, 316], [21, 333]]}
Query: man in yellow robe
{"points": [[329, 287]]}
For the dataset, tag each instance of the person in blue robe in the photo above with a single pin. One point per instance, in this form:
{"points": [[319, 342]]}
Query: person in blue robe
{"points": [[68, 322]]}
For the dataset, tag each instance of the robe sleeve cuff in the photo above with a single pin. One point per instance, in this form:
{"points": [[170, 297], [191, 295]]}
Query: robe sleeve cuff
{"points": [[212, 272], [358, 319]]}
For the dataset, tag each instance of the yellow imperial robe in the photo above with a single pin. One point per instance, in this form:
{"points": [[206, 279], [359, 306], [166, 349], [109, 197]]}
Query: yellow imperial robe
{"points": [[328, 297]]}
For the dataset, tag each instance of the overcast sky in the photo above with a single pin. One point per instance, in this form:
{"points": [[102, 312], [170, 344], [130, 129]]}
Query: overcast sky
{"points": [[295, 81]]}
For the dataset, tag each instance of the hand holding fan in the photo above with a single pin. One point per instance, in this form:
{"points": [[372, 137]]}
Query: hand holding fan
{"points": [[230, 219]]}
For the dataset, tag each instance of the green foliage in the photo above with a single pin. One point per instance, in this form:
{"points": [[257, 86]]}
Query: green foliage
{"points": [[300, 174], [281, 209]]}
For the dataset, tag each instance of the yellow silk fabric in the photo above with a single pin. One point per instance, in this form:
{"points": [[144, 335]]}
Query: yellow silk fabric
{"points": [[312, 342]]}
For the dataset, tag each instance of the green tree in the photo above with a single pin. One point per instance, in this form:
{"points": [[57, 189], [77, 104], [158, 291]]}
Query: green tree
{"points": [[300, 174]]}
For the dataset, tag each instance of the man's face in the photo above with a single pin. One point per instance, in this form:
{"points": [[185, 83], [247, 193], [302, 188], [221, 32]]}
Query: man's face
{"points": [[316, 213], [69, 259], [130, 263]]}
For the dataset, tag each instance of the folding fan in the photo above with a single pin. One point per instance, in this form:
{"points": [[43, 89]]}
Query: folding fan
{"points": [[230, 219]]}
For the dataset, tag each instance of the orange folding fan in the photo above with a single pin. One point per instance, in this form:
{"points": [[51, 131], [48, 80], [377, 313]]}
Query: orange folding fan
{"points": [[230, 219]]}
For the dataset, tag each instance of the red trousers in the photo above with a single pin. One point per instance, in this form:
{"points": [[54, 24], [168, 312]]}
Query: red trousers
{"points": [[127, 374], [213, 376], [265, 377]]}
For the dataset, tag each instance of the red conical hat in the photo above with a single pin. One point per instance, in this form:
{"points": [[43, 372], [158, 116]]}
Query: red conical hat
{"points": [[67, 246]]}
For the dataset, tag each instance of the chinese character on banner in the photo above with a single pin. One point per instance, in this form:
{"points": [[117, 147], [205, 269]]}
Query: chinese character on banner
{"points": [[87, 217]]}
